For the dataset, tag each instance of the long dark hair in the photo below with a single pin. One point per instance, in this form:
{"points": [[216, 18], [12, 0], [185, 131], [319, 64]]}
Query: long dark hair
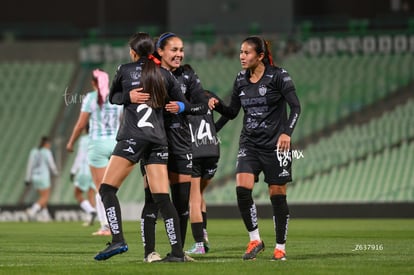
{"points": [[261, 46], [151, 78]]}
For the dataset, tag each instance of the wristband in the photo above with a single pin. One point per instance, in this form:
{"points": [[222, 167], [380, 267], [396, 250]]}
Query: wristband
{"points": [[181, 107]]}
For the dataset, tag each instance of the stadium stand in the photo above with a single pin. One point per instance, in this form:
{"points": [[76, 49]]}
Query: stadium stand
{"points": [[346, 165], [33, 97]]}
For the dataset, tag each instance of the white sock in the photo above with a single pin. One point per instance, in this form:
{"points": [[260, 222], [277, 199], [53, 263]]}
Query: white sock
{"points": [[254, 235], [280, 246], [100, 210], [87, 207], [35, 208]]}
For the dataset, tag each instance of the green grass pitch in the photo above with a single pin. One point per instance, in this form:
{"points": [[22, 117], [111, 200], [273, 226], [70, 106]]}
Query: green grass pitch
{"points": [[315, 246]]}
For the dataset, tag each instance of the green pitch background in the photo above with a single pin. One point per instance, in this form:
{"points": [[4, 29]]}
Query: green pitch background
{"points": [[327, 246]]}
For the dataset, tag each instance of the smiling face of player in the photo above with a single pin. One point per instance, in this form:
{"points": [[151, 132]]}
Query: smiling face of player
{"points": [[172, 54], [249, 58]]}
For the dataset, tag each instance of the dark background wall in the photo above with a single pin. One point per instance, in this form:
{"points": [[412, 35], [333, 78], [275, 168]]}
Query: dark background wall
{"points": [[183, 16]]}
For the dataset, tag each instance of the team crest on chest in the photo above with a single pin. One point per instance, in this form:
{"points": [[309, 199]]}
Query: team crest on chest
{"points": [[262, 90], [134, 75], [183, 88]]}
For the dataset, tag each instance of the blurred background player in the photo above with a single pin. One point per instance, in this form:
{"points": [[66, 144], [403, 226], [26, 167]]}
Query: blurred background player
{"points": [[206, 153], [103, 119], [80, 175], [263, 90], [39, 168]]}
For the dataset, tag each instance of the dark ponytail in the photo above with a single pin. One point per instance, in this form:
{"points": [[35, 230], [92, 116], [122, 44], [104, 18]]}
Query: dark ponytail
{"points": [[261, 46], [152, 81]]}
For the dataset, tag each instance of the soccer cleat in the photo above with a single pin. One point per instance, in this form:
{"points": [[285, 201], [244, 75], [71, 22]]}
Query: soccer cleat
{"points": [[279, 255], [111, 250], [205, 240], [173, 259], [152, 257], [253, 248], [197, 248]]}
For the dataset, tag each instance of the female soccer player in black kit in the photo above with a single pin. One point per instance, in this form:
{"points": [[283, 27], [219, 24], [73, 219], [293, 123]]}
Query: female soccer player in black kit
{"points": [[206, 153], [170, 51], [263, 90], [142, 137]]}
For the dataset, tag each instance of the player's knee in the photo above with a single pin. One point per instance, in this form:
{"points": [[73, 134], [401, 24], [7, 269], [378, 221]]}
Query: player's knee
{"points": [[106, 189], [243, 193]]}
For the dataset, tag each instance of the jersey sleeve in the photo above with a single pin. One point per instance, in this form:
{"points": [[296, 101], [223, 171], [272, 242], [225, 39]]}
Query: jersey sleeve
{"points": [[232, 110], [285, 85], [116, 93], [86, 104], [29, 167], [174, 92], [51, 163]]}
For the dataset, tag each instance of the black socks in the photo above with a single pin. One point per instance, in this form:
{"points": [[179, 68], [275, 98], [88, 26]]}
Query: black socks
{"points": [[280, 217], [247, 208], [112, 211], [180, 193], [170, 217]]}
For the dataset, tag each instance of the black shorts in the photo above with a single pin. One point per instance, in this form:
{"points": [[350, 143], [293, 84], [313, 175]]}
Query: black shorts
{"points": [[204, 168], [180, 164], [275, 166], [148, 152]]}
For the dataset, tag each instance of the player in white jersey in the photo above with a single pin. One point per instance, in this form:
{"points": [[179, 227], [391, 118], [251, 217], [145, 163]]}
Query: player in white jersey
{"points": [[80, 175], [104, 119], [39, 168]]}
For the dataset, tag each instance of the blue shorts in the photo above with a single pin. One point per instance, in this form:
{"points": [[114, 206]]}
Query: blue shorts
{"points": [[99, 152]]}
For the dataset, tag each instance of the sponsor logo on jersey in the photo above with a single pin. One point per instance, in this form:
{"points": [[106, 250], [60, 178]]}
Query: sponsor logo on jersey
{"points": [[162, 156], [262, 90], [242, 93], [183, 88]]}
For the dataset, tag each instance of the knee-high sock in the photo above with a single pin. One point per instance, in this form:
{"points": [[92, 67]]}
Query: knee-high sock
{"points": [[100, 211], [280, 217], [247, 208], [204, 214], [180, 193], [148, 221], [171, 223], [112, 211], [198, 234]]}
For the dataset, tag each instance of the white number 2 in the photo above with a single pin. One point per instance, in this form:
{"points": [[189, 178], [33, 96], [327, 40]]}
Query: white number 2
{"points": [[143, 121]]}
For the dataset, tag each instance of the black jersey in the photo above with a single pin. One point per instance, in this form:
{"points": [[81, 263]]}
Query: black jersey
{"points": [[139, 120], [177, 125], [265, 107], [205, 142]]}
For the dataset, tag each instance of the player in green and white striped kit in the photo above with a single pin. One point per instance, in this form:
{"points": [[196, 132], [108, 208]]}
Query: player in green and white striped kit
{"points": [[104, 119], [80, 175], [39, 168]]}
